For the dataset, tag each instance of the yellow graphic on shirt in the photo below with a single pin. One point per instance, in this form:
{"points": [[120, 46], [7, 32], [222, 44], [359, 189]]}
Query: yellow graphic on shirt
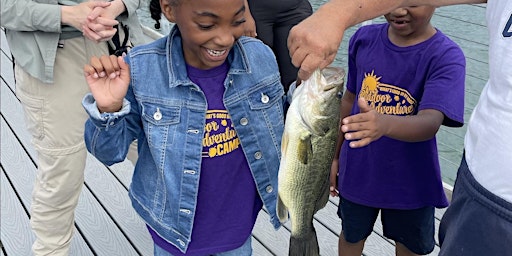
{"points": [[220, 137], [385, 98]]}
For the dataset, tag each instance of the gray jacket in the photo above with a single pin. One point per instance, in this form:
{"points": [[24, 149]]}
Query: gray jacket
{"points": [[33, 30]]}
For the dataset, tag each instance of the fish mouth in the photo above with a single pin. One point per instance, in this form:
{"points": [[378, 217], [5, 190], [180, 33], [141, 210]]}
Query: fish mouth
{"points": [[333, 78]]}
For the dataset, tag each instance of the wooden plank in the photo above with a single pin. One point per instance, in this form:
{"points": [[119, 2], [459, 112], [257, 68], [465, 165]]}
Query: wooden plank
{"points": [[276, 241], [6, 67], [258, 249], [3, 44], [114, 198], [16, 235]]}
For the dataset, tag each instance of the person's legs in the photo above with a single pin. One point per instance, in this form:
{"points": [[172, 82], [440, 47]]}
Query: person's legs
{"points": [[477, 222], [345, 248], [159, 251], [412, 230], [357, 224], [244, 250], [55, 118]]}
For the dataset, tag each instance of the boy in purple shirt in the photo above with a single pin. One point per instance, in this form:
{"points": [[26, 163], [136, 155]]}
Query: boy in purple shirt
{"points": [[405, 80]]}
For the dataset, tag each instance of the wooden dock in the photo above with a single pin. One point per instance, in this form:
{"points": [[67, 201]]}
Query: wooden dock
{"points": [[106, 223]]}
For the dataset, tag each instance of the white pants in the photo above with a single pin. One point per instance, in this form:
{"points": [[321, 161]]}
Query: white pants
{"points": [[55, 118]]}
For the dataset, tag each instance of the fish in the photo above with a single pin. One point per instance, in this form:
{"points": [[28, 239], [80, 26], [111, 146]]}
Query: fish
{"points": [[308, 146]]}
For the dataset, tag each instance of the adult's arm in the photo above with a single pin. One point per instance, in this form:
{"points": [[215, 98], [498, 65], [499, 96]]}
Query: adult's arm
{"points": [[25, 15], [314, 42]]}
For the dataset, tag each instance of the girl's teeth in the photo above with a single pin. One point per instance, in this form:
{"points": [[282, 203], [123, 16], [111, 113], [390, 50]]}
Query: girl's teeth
{"points": [[215, 53]]}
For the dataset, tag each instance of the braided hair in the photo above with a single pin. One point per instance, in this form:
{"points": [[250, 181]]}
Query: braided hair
{"points": [[156, 11]]}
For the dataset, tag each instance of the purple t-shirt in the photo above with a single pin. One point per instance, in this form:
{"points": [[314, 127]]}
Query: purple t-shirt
{"points": [[389, 173], [228, 202]]}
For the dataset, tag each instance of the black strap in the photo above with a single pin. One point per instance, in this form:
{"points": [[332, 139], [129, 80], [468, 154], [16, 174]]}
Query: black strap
{"points": [[119, 48]]}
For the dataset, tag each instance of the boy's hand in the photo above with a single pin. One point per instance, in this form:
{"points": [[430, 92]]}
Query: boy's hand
{"points": [[363, 128], [333, 178], [108, 78]]}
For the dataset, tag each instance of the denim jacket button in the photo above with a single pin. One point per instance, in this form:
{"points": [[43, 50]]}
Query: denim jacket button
{"points": [[157, 115], [244, 121], [269, 189], [264, 98], [257, 155]]}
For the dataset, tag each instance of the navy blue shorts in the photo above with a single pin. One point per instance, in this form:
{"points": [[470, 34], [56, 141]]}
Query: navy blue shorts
{"points": [[412, 228], [477, 222]]}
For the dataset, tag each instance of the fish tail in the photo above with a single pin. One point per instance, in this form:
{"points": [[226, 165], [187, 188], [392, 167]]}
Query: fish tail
{"points": [[282, 210], [304, 246]]}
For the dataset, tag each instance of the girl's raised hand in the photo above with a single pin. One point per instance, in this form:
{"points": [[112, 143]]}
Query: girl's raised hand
{"points": [[108, 78]]}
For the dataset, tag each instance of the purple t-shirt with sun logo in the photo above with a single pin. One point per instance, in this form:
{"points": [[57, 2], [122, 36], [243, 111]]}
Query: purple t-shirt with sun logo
{"points": [[227, 203], [401, 81]]}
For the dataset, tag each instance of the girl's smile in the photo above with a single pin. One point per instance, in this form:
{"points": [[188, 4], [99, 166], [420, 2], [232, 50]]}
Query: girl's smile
{"points": [[209, 29]]}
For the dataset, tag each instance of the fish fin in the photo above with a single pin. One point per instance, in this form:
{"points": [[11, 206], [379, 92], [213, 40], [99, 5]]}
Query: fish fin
{"points": [[304, 246], [305, 148], [282, 210]]}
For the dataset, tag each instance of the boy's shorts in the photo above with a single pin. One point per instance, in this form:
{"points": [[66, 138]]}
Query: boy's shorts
{"points": [[412, 228]]}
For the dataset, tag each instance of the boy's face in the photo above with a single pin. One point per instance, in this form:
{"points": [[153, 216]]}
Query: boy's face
{"points": [[410, 22], [208, 28]]}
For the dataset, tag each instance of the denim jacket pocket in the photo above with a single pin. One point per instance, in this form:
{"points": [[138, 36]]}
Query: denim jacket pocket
{"points": [[269, 102], [159, 122]]}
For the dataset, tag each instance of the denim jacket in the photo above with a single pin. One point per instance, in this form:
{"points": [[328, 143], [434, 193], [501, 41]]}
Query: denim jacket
{"points": [[166, 112]]}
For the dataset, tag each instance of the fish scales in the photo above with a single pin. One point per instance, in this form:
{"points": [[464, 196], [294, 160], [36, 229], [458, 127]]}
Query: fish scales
{"points": [[308, 147]]}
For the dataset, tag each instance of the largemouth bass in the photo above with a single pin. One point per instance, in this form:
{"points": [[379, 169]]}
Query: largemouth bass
{"points": [[308, 147]]}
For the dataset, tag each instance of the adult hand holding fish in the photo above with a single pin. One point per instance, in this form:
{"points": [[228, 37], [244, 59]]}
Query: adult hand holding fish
{"points": [[308, 147]]}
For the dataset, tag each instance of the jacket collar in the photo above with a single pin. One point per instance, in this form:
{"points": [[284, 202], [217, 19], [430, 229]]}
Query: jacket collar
{"points": [[238, 59]]}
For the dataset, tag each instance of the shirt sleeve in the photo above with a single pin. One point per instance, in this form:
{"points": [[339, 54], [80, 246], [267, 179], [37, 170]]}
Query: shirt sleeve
{"points": [[25, 15], [445, 85]]}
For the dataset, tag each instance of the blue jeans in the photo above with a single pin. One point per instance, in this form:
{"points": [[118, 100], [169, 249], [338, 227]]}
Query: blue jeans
{"points": [[244, 250]]}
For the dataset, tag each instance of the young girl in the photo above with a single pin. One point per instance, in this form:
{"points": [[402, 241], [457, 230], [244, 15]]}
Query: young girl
{"points": [[209, 119], [405, 80]]}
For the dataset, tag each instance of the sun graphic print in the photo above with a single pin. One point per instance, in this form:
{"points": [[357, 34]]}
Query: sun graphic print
{"points": [[370, 81], [369, 85]]}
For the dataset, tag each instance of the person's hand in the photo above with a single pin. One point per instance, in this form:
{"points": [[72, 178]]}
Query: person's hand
{"points": [[314, 42], [76, 15], [108, 78], [363, 128], [99, 26], [333, 178]]}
